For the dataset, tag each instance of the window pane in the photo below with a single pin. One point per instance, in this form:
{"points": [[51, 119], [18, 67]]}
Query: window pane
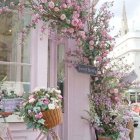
{"points": [[26, 87], [61, 70], [6, 37], [14, 57], [10, 45], [25, 50], [60, 63], [8, 71], [25, 74]]}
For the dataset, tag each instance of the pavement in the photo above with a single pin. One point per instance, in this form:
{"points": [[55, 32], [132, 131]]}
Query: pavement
{"points": [[137, 132]]}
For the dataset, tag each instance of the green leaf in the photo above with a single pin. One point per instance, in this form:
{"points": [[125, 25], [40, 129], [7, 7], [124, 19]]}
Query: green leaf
{"points": [[44, 107], [39, 104], [41, 121], [29, 125], [36, 109]]}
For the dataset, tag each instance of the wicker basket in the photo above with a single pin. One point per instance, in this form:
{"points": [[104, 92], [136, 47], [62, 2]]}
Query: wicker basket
{"points": [[52, 117]]}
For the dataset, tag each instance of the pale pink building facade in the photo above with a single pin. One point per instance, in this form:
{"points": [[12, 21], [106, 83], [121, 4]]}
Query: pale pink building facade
{"points": [[44, 72], [41, 64]]}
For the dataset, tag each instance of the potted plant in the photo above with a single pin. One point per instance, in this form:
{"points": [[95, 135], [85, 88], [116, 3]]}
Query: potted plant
{"points": [[9, 99], [41, 109]]}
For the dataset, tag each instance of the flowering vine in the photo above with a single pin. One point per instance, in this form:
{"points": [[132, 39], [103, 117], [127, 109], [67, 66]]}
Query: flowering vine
{"points": [[90, 29], [94, 43], [69, 17]]}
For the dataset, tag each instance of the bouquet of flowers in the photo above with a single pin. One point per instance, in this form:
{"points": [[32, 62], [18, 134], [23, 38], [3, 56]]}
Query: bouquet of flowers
{"points": [[106, 104], [41, 109]]}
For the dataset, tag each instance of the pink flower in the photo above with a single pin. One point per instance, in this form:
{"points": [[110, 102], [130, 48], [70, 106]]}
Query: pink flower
{"points": [[111, 49], [74, 22], [99, 58], [56, 9], [32, 100], [39, 115], [111, 90], [77, 8], [0, 11], [80, 24], [79, 42], [91, 42], [86, 61], [64, 6], [31, 96], [104, 33], [51, 4], [81, 33], [60, 96], [104, 54], [64, 30], [116, 90], [63, 17], [75, 15], [46, 101], [116, 99], [71, 30]]}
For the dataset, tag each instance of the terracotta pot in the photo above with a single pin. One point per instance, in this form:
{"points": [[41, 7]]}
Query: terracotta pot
{"points": [[104, 138], [52, 117]]}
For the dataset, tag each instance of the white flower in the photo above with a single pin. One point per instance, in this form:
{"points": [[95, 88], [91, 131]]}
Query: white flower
{"points": [[24, 104], [9, 93], [56, 101], [68, 21], [57, 91], [47, 95], [53, 99], [99, 72], [96, 78], [51, 90], [51, 106], [38, 88]]}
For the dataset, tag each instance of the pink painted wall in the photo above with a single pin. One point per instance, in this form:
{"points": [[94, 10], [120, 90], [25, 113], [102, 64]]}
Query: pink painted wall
{"points": [[75, 102], [39, 59]]}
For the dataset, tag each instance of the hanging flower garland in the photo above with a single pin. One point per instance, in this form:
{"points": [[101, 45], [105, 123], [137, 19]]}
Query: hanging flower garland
{"points": [[68, 17], [94, 43], [73, 19]]}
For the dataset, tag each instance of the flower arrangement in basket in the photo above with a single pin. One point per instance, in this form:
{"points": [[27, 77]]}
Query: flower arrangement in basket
{"points": [[42, 109]]}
